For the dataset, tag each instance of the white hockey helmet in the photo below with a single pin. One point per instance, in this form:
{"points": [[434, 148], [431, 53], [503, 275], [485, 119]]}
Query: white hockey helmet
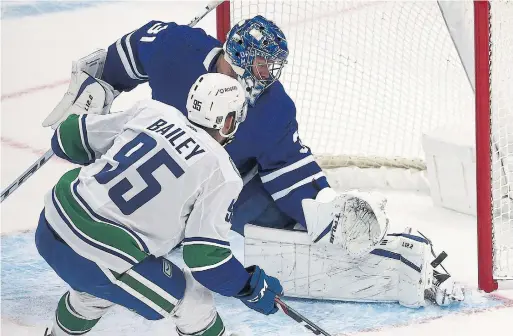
{"points": [[213, 98]]}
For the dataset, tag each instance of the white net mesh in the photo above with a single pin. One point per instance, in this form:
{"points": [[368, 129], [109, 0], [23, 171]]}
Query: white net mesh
{"points": [[368, 78], [501, 41]]}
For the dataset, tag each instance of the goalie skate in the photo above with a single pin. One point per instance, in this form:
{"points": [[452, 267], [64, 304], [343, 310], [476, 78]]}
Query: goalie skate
{"points": [[445, 291]]}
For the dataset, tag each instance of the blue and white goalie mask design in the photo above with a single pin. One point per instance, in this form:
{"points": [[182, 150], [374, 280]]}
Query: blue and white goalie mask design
{"points": [[257, 51]]}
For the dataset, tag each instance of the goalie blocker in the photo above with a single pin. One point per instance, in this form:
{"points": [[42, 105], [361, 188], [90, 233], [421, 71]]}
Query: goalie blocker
{"points": [[345, 262]]}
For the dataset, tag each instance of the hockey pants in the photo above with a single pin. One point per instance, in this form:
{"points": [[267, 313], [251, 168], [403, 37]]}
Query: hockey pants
{"points": [[154, 289]]}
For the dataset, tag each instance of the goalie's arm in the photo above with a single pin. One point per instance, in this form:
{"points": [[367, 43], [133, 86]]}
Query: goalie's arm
{"points": [[81, 139], [97, 78], [129, 57], [286, 166]]}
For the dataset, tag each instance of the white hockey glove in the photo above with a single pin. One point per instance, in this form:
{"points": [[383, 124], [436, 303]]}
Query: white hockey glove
{"points": [[355, 221], [86, 93]]}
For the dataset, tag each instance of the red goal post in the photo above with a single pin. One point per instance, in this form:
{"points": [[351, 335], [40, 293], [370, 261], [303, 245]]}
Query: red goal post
{"points": [[483, 146], [395, 70]]}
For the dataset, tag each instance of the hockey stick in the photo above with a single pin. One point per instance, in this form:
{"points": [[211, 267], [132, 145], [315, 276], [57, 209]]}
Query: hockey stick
{"points": [[208, 8], [300, 318], [26, 174], [48, 155]]}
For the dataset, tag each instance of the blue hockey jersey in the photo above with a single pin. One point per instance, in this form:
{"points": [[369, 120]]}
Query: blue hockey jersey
{"points": [[171, 57]]}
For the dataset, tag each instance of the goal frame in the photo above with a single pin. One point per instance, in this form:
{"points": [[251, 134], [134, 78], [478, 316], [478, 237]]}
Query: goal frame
{"points": [[482, 53]]}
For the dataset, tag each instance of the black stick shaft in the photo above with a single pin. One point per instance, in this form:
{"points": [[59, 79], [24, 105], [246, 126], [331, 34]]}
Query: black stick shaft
{"points": [[26, 174], [300, 318]]}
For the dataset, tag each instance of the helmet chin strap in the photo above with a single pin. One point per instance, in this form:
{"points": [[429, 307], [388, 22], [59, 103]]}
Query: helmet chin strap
{"points": [[229, 135]]}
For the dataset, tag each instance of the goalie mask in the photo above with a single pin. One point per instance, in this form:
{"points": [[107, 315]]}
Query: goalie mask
{"points": [[212, 99], [260, 40]]}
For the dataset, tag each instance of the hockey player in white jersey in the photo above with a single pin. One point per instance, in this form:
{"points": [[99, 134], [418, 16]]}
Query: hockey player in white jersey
{"points": [[284, 186], [152, 178]]}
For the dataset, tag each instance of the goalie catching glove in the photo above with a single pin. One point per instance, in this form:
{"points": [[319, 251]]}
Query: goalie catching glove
{"points": [[355, 221], [86, 92]]}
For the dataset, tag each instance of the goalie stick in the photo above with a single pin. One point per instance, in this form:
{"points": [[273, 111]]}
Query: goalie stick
{"points": [[300, 318], [48, 155]]}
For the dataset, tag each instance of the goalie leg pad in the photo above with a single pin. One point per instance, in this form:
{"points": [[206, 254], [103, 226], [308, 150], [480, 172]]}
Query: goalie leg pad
{"points": [[415, 275], [397, 271]]}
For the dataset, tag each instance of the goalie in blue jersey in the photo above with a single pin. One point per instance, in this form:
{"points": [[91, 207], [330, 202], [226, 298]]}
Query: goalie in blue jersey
{"points": [[283, 185]]}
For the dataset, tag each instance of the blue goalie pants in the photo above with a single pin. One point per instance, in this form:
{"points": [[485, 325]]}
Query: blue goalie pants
{"points": [[155, 288]]}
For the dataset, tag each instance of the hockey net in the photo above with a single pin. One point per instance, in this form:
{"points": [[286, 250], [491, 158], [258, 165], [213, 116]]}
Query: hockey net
{"points": [[494, 50], [370, 78]]}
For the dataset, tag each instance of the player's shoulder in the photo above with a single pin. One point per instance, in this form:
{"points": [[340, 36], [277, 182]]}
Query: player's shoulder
{"points": [[277, 95], [215, 156], [164, 119], [183, 34], [275, 111], [276, 104], [227, 169], [153, 106]]}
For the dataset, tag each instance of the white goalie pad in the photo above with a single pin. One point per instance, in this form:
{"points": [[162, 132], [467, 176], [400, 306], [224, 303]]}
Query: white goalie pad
{"points": [[397, 271]]}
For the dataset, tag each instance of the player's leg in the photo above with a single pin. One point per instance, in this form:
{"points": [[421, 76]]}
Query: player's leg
{"points": [[205, 320], [257, 207], [169, 292], [154, 288], [77, 312]]}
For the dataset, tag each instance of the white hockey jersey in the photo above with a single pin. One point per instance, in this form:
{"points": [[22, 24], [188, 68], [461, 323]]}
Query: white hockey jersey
{"points": [[152, 180]]}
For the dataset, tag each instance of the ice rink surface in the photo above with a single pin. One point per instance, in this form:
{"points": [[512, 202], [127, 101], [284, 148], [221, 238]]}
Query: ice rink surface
{"points": [[39, 41]]}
